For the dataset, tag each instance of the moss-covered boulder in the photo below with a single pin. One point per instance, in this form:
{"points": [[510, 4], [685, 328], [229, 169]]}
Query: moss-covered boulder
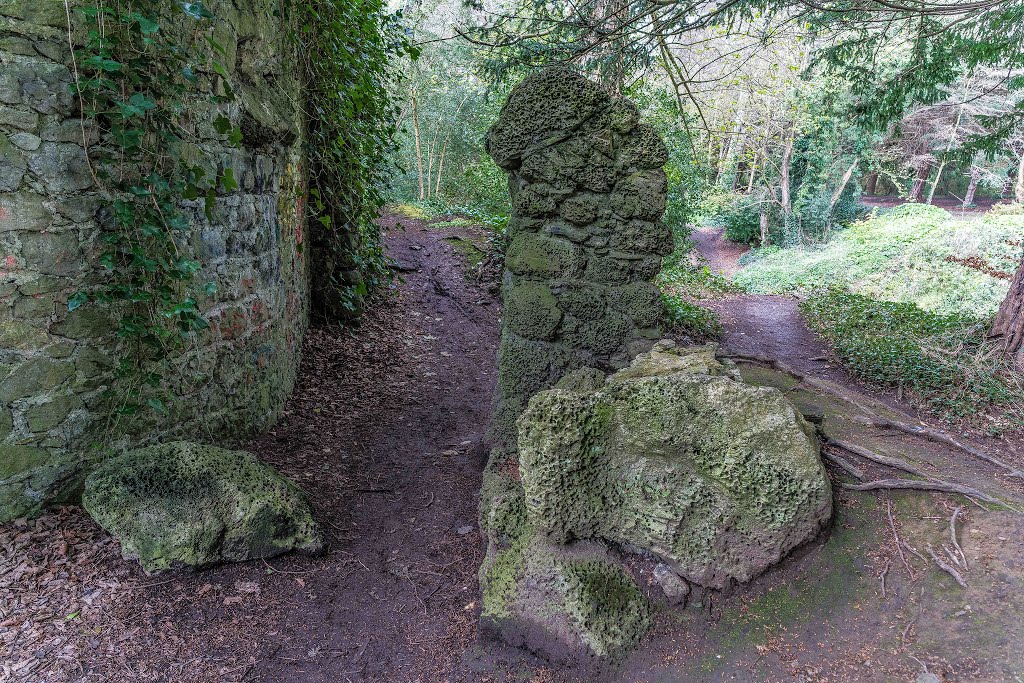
{"points": [[185, 504], [676, 456], [568, 603]]}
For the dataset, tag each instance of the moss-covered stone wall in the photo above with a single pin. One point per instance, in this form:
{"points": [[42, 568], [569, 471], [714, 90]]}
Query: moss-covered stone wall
{"points": [[588, 193], [56, 366]]}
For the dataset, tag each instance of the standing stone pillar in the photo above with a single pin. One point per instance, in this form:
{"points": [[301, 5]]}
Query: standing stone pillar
{"points": [[588, 192]]}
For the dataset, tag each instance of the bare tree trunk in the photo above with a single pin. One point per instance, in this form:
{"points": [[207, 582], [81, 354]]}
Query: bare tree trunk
{"points": [[753, 173], [972, 187], [440, 166], [1008, 327], [763, 221], [872, 184], [1018, 190], [917, 191], [430, 157], [935, 183], [419, 150], [784, 181], [842, 186]]}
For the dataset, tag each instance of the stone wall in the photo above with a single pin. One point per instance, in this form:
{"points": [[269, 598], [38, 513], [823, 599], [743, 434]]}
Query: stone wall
{"points": [[588, 192], [56, 367]]}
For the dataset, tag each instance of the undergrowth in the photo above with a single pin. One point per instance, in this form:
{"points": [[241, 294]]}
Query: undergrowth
{"points": [[915, 253], [942, 358], [683, 283]]}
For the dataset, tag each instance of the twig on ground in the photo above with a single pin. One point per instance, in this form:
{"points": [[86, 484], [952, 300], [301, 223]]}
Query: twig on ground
{"points": [[915, 551], [896, 538], [941, 437], [952, 536], [946, 567], [884, 572]]}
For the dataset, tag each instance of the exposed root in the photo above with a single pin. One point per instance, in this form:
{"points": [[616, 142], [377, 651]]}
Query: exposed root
{"points": [[925, 485], [941, 437], [952, 537], [887, 460], [844, 465], [948, 568], [854, 398], [896, 538]]}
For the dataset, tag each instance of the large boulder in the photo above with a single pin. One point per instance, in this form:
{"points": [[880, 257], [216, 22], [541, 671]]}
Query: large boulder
{"points": [[570, 603], [186, 504], [676, 456]]}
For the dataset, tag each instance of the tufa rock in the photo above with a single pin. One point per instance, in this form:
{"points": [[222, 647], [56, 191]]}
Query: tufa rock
{"points": [[674, 588], [187, 504], [586, 236], [674, 455]]}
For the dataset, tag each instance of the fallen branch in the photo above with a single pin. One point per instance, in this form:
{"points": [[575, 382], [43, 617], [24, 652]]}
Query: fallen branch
{"points": [[941, 437], [888, 460], [946, 567], [925, 485]]}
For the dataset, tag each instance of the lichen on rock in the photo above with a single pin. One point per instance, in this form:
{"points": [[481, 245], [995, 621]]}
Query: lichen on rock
{"points": [[678, 457], [186, 504]]}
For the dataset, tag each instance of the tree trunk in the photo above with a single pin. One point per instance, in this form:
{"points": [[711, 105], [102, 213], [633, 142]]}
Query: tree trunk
{"points": [[753, 173], [419, 150], [917, 191], [440, 166], [763, 221], [1008, 327], [842, 186], [872, 184], [1018, 191], [935, 183], [784, 183], [972, 187], [430, 158]]}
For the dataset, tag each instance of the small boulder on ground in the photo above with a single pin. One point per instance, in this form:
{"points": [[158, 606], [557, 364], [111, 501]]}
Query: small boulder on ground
{"points": [[186, 504]]}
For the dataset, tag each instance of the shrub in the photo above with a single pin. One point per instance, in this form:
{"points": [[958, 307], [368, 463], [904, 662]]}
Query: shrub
{"points": [[691, 319], [902, 254], [946, 359]]}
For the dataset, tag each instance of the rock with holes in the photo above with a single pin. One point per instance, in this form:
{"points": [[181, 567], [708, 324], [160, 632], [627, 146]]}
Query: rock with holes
{"points": [[185, 504], [675, 455], [586, 235]]}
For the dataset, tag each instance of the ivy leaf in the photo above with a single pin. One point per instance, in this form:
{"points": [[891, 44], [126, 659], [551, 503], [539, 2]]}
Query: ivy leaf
{"points": [[101, 63], [196, 10], [222, 125], [216, 46], [189, 74], [210, 289], [76, 300], [235, 138], [227, 181]]}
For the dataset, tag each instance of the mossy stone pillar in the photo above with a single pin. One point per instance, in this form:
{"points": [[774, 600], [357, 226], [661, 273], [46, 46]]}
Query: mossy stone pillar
{"points": [[588, 193]]}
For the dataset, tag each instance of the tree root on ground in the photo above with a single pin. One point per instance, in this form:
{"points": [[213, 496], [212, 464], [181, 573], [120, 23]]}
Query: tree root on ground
{"points": [[941, 437]]}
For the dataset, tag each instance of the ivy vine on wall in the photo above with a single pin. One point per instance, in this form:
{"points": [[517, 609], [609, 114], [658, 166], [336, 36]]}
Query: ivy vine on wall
{"points": [[142, 62], [349, 48]]}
